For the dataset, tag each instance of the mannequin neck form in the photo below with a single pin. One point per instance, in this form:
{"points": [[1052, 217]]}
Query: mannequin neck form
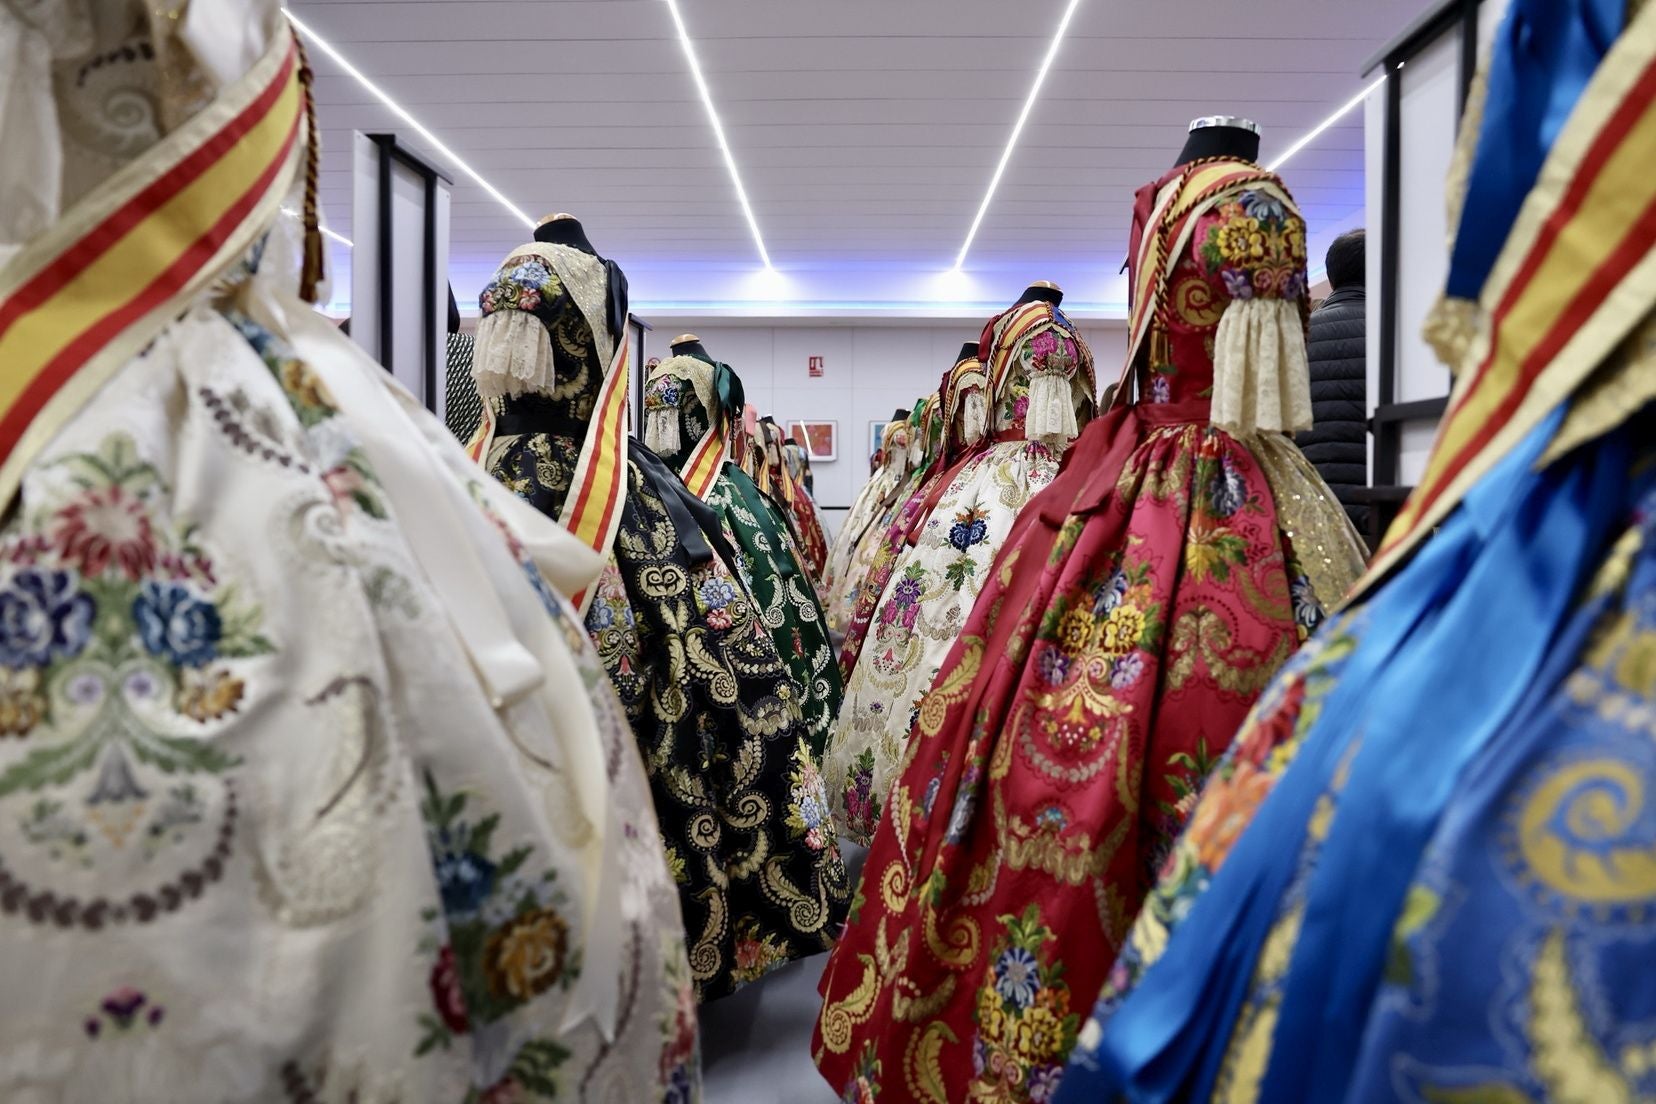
{"points": [[689, 348], [565, 231], [968, 351], [1219, 141], [1034, 294]]}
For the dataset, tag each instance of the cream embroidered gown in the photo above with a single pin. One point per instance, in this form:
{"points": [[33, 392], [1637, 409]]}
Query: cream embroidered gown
{"points": [[1040, 373], [272, 826]]}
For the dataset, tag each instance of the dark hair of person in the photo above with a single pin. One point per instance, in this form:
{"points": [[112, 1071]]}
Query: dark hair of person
{"points": [[1345, 260]]}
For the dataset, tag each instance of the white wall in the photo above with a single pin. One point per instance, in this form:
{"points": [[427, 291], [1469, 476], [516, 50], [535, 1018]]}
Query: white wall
{"points": [[868, 372]]}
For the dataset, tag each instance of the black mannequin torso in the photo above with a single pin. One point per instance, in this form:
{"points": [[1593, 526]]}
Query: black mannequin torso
{"points": [[1041, 293], [968, 351], [1219, 141], [565, 231], [689, 348]]}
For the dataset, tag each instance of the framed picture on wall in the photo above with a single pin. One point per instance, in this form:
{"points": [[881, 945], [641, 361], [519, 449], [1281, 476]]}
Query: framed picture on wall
{"points": [[821, 439], [876, 434]]}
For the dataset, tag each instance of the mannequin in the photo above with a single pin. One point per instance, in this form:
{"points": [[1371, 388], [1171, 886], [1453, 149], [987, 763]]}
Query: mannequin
{"points": [[969, 349], [564, 228], [677, 629], [689, 345], [1041, 291], [1221, 136]]}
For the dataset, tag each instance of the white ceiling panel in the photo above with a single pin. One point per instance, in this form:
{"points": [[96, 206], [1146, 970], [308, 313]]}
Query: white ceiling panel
{"points": [[866, 131]]}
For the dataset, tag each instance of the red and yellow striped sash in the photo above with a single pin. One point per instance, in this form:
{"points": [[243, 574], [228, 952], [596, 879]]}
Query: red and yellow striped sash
{"points": [[593, 509], [1024, 318], [1578, 272], [84, 298], [702, 469]]}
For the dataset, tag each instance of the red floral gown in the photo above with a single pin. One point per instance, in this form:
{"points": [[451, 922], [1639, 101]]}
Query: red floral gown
{"points": [[1140, 604]]}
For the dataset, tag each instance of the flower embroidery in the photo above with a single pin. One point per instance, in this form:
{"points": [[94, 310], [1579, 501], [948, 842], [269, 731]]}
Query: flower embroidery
{"points": [[808, 801], [123, 1010], [500, 939], [207, 696], [1025, 1026], [177, 625], [717, 593], [1126, 670], [757, 953], [526, 957], [1017, 977], [446, 994], [1075, 630], [864, 1085], [106, 526], [1308, 611], [1228, 491], [465, 879], [971, 526], [1108, 596], [862, 805], [44, 616], [21, 704], [1239, 240], [1052, 666]]}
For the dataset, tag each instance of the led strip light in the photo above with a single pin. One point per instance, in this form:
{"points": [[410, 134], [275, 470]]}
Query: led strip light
{"points": [[402, 113], [1311, 135], [1017, 129], [718, 129]]}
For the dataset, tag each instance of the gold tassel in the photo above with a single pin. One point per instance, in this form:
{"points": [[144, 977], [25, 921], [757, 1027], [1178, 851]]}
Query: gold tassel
{"points": [[311, 271]]}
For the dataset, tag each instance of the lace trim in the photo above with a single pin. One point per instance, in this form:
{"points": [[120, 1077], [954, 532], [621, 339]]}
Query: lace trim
{"points": [[1261, 380]]}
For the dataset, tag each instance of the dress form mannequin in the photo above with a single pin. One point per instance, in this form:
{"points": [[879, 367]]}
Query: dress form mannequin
{"points": [[1044, 291], [969, 349], [1221, 136], [688, 345], [564, 229]]}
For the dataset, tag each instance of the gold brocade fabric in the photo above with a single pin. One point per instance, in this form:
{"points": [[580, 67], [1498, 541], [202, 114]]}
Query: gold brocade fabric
{"points": [[1329, 549], [1618, 390]]}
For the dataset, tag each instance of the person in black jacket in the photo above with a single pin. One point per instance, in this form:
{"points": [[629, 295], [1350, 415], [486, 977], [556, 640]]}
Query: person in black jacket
{"points": [[1337, 442]]}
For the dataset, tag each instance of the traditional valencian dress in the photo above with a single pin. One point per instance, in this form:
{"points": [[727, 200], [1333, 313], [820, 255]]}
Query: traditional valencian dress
{"points": [[870, 504], [948, 437], [716, 712], [813, 535], [311, 786], [856, 800], [1144, 600], [1427, 870], [1040, 375], [920, 433], [779, 481], [690, 405]]}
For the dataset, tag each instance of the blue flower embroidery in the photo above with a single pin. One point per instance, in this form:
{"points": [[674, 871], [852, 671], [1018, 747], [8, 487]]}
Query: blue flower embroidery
{"points": [[465, 880], [1261, 206], [907, 592], [1108, 596], [44, 615], [176, 625], [1228, 491], [969, 528], [717, 593], [1017, 977], [1308, 612]]}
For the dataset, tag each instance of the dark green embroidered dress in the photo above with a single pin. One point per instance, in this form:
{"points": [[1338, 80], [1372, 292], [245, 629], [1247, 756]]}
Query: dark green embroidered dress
{"points": [[686, 399]]}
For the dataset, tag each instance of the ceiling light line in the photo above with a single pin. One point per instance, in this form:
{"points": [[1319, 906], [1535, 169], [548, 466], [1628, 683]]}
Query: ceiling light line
{"points": [[1017, 129], [402, 113], [1339, 114], [718, 128]]}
